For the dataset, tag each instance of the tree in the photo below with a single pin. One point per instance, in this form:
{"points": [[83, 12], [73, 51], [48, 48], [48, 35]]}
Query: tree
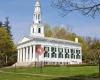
{"points": [[0, 23], [59, 32], [86, 7], [94, 50], [7, 48], [6, 25], [47, 30]]}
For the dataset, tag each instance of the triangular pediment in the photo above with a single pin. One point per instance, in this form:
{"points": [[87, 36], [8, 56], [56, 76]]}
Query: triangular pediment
{"points": [[24, 39]]}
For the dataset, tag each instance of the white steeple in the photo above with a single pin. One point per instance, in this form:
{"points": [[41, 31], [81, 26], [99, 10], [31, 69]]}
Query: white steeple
{"points": [[37, 29], [37, 12]]}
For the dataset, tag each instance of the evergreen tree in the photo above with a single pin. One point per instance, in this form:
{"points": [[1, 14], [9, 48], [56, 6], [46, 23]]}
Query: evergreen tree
{"points": [[6, 25], [0, 23]]}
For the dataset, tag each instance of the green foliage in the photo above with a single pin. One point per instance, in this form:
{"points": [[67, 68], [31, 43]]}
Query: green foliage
{"points": [[47, 30], [7, 48], [59, 32]]}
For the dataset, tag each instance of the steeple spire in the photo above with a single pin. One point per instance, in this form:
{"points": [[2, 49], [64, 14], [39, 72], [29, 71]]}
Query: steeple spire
{"points": [[37, 28], [37, 13]]}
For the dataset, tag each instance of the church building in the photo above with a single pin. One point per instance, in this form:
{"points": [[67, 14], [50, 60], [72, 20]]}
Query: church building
{"points": [[50, 51]]}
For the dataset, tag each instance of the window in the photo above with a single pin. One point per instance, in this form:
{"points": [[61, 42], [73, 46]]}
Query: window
{"points": [[60, 52], [78, 54], [78, 51], [53, 55], [33, 30], [73, 51], [53, 52], [53, 49], [72, 54], [38, 16], [46, 54], [39, 22], [60, 55], [66, 55], [66, 50], [39, 30]]}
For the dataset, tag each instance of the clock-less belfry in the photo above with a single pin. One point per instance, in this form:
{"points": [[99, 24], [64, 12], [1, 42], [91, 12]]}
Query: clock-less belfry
{"points": [[37, 29], [49, 51]]}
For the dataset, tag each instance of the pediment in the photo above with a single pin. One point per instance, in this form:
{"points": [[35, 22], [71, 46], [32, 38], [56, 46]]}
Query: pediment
{"points": [[24, 40]]}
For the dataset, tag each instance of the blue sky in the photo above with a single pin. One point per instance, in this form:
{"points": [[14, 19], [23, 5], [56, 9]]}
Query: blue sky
{"points": [[20, 14]]}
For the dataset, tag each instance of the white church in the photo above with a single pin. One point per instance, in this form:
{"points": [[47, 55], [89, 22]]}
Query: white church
{"points": [[37, 48]]}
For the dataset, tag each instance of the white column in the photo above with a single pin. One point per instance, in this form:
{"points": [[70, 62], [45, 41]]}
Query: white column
{"points": [[30, 56], [23, 54], [26, 54], [69, 53], [18, 56], [50, 52]]}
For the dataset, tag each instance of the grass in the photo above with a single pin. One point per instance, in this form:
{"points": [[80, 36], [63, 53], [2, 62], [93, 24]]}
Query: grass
{"points": [[53, 73]]}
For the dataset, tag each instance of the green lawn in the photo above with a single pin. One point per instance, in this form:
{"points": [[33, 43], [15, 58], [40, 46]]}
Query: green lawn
{"points": [[48, 73]]}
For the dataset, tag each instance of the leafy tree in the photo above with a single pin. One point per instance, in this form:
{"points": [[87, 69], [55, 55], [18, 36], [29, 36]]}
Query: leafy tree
{"points": [[47, 30], [94, 50], [59, 32], [86, 7], [7, 48]]}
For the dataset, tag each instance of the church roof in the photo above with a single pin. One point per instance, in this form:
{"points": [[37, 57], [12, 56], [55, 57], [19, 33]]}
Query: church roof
{"points": [[51, 40]]}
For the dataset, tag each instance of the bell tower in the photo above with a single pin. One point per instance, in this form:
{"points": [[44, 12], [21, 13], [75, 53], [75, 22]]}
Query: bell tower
{"points": [[37, 29]]}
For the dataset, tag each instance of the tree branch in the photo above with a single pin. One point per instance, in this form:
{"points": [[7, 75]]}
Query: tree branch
{"points": [[86, 7]]}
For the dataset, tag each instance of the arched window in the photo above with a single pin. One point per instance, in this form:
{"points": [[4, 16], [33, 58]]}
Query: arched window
{"points": [[39, 30]]}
